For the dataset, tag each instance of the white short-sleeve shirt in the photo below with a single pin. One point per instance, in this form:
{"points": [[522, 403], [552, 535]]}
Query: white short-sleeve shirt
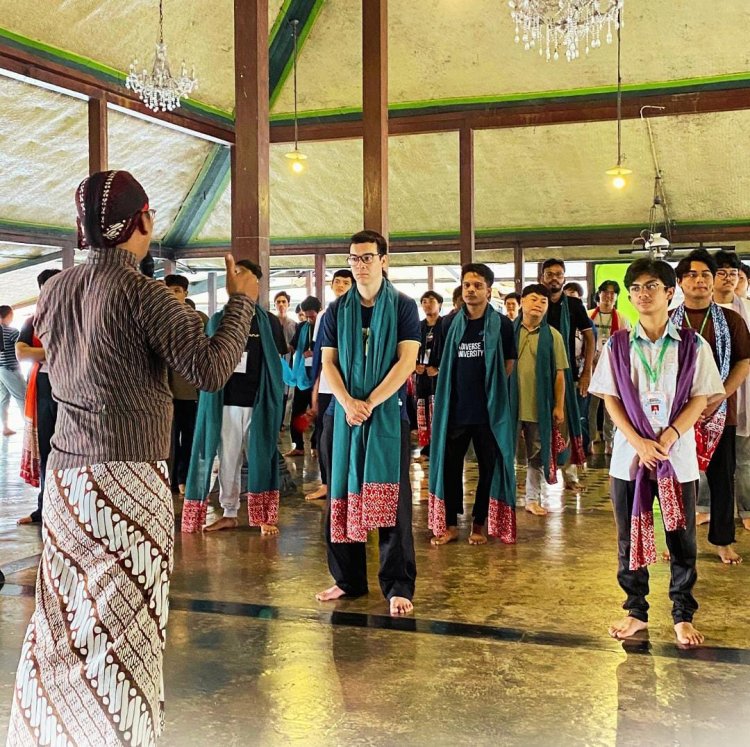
{"points": [[323, 387], [707, 381]]}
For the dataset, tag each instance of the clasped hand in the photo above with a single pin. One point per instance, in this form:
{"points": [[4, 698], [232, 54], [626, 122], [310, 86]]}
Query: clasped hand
{"points": [[651, 452], [357, 411]]}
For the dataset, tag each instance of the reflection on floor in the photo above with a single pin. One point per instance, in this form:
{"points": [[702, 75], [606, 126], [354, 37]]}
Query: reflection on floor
{"points": [[508, 645]]}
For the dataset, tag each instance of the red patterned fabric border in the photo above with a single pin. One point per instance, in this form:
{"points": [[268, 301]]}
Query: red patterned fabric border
{"points": [[339, 508], [707, 436], [501, 522], [436, 515], [263, 508], [672, 507], [422, 429], [194, 516], [577, 454], [557, 446], [642, 541], [375, 507]]}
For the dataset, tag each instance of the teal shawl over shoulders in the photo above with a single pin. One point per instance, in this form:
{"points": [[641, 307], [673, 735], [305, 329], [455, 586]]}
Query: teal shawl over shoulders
{"points": [[502, 516], [575, 431], [262, 454], [366, 460]]}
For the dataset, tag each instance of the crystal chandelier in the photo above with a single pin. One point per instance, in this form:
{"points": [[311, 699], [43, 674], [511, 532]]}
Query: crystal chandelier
{"points": [[571, 24], [158, 90]]}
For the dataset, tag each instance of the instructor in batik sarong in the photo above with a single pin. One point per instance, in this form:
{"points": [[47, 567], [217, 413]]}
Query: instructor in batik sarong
{"points": [[370, 340], [91, 662]]}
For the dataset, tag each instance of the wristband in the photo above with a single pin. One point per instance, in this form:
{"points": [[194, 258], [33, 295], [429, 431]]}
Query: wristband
{"points": [[675, 430]]}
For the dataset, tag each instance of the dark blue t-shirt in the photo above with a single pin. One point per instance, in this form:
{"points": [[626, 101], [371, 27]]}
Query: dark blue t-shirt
{"points": [[407, 329]]}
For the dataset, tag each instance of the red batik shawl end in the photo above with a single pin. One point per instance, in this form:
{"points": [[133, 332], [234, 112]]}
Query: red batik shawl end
{"points": [[672, 507], [642, 541], [577, 454], [557, 446], [501, 522], [375, 507], [339, 508], [194, 516], [422, 432], [263, 508], [707, 436], [436, 515]]}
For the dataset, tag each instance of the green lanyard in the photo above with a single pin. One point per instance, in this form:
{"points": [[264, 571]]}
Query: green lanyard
{"points": [[705, 319], [653, 373]]}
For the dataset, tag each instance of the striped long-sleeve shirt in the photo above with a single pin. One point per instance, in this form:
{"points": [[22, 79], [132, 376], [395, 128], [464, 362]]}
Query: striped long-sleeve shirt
{"points": [[110, 334], [8, 347]]}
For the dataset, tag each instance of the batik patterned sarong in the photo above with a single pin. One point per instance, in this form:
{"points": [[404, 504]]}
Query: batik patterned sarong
{"points": [[91, 663]]}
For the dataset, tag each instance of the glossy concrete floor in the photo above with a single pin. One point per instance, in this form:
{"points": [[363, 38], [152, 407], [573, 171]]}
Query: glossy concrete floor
{"points": [[507, 645]]}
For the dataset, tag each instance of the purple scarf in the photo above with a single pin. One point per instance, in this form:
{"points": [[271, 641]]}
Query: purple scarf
{"points": [[642, 541]]}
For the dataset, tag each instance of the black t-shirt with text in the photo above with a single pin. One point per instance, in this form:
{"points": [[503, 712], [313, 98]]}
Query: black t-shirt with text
{"points": [[579, 320]]}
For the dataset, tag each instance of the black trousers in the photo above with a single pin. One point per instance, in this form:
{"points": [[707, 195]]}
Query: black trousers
{"points": [[682, 549], [300, 403], [183, 430], [720, 478], [323, 401], [46, 418], [398, 567], [456, 445]]}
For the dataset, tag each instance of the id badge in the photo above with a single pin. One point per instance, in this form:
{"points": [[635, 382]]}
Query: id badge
{"points": [[655, 406], [242, 365]]}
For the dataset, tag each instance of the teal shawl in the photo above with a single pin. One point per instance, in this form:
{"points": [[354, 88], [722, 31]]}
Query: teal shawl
{"points": [[262, 454], [576, 454], [553, 451], [366, 463], [502, 516], [299, 375]]}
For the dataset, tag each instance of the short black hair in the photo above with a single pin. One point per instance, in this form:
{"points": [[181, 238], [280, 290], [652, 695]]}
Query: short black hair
{"points": [[697, 255], [727, 258], [45, 275], [432, 294], [5, 310], [538, 288], [613, 284], [298, 309], [190, 302], [657, 268], [478, 268], [250, 265], [577, 287], [282, 294], [458, 292], [513, 297], [371, 237], [343, 274], [177, 280], [551, 262], [746, 269], [311, 304], [147, 265]]}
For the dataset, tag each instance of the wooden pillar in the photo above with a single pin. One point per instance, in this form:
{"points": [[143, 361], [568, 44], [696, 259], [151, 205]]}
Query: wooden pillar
{"points": [[375, 113], [68, 257], [588, 301], [466, 194], [430, 278], [320, 277], [309, 282], [211, 288], [98, 136], [518, 266], [250, 154], [169, 266]]}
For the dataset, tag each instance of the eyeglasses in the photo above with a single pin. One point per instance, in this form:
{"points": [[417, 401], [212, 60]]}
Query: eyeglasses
{"points": [[365, 259], [731, 274], [151, 213], [649, 288], [694, 275], [550, 274]]}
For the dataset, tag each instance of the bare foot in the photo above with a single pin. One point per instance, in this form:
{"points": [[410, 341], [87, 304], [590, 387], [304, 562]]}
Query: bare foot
{"points": [[295, 453], [329, 595], [728, 555], [8, 432], [451, 535], [477, 537], [269, 530], [687, 635], [182, 489], [701, 518], [401, 606], [318, 494], [626, 628], [746, 524], [533, 507], [27, 520], [225, 522]]}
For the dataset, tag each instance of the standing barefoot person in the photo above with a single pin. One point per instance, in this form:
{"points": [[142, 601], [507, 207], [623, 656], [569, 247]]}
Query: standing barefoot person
{"points": [[91, 662], [370, 339], [654, 453]]}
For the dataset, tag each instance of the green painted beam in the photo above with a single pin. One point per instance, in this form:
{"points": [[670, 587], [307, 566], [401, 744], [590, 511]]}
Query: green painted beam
{"points": [[26, 263]]}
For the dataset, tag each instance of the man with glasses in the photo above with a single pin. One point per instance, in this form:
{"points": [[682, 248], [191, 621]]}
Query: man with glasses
{"points": [[568, 315], [725, 294], [655, 381], [728, 336], [370, 339], [607, 320]]}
